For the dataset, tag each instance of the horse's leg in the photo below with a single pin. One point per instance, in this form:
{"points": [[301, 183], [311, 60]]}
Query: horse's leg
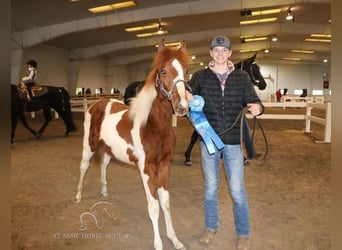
{"points": [[104, 165], [153, 208], [84, 165], [23, 120], [187, 153], [164, 200], [48, 118], [66, 116], [14, 121]]}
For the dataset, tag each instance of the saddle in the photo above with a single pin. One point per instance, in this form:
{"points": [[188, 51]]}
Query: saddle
{"points": [[36, 91]]}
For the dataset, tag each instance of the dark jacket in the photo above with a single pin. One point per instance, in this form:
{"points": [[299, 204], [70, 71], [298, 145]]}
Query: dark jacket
{"points": [[222, 110]]}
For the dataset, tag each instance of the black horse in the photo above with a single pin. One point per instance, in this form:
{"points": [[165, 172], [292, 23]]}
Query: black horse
{"points": [[252, 68], [249, 65], [49, 97], [132, 90]]}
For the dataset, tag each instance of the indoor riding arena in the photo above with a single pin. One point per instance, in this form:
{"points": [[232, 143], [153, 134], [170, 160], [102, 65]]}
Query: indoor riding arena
{"points": [[66, 55], [289, 192]]}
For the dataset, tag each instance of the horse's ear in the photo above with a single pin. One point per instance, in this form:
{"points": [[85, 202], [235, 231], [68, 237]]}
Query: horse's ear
{"points": [[254, 56], [161, 45], [183, 46]]}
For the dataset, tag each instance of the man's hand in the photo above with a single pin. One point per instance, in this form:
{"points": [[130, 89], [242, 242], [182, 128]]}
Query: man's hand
{"points": [[189, 95], [254, 108]]}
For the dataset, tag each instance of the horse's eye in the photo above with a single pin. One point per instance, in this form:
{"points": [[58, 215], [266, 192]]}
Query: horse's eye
{"points": [[163, 71]]}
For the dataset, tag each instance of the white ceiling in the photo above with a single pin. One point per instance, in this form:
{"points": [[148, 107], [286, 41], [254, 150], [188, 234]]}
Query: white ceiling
{"points": [[71, 26]]}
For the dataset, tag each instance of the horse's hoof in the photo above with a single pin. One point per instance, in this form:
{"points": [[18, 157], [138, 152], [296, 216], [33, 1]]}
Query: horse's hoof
{"points": [[38, 135], [181, 247]]}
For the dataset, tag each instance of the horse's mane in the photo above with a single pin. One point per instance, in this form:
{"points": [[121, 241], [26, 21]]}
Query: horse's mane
{"points": [[140, 105], [245, 62]]}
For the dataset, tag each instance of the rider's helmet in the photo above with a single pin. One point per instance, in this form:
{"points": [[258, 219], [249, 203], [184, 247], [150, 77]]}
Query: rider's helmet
{"points": [[32, 63]]}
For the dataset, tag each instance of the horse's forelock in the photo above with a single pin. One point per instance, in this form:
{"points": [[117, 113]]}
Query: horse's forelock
{"points": [[168, 54]]}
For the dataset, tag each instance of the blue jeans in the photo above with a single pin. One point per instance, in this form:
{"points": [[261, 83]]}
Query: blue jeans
{"points": [[234, 169]]}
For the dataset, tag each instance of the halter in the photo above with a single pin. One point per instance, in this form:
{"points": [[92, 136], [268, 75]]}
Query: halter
{"points": [[251, 71], [164, 91]]}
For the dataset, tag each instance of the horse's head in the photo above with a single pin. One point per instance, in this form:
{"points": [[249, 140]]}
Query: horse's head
{"points": [[252, 68], [171, 66]]}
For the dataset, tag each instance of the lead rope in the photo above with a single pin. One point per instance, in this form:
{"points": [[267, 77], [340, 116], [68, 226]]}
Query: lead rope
{"points": [[240, 118], [256, 121]]}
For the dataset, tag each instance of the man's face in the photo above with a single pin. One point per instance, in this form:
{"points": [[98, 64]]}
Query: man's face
{"points": [[220, 54]]}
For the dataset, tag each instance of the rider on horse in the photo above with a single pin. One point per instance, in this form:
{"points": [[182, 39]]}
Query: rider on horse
{"points": [[29, 79]]}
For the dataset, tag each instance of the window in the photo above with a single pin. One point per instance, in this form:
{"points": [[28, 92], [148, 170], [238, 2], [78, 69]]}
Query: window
{"points": [[317, 92], [79, 91], [98, 91], [298, 91]]}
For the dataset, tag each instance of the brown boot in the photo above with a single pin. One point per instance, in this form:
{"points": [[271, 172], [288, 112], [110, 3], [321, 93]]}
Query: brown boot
{"points": [[207, 236], [242, 243]]}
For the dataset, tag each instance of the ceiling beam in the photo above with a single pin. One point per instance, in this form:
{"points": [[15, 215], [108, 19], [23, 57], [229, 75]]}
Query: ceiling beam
{"points": [[104, 49], [31, 37]]}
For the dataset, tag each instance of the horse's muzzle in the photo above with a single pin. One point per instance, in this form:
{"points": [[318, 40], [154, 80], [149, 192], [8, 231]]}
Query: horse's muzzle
{"points": [[180, 110]]}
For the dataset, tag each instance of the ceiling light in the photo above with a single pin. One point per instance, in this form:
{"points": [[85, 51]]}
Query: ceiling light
{"points": [[259, 12], [140, 28], [321, 35], [325, 60], [267, 51], [274, 38], [157, 33], [263, 20], [253, 39], [176, 44], [110, 7], [160, 30], [291, 58], [160, 27], [249, 50], [317, 40], [303, 51], [265, 12], [289, 16]]}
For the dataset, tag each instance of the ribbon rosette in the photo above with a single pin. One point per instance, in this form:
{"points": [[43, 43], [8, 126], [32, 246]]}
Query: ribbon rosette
{"points": [[202, 126]]}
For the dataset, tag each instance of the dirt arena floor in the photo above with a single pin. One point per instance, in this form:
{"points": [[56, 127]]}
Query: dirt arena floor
{"points": [[289, 194]]}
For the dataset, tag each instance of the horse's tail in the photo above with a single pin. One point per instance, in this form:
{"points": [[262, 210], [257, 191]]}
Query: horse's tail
{"points": [[64, 109]]}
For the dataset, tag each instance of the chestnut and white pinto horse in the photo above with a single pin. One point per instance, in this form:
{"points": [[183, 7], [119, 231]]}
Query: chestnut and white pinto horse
{"points": [[142, 133]]}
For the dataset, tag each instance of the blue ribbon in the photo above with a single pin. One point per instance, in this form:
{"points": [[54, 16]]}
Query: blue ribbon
{"points": [[202, 126]]}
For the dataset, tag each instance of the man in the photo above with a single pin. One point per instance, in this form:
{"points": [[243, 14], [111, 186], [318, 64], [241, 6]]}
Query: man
{"points": [[226, 91]]}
